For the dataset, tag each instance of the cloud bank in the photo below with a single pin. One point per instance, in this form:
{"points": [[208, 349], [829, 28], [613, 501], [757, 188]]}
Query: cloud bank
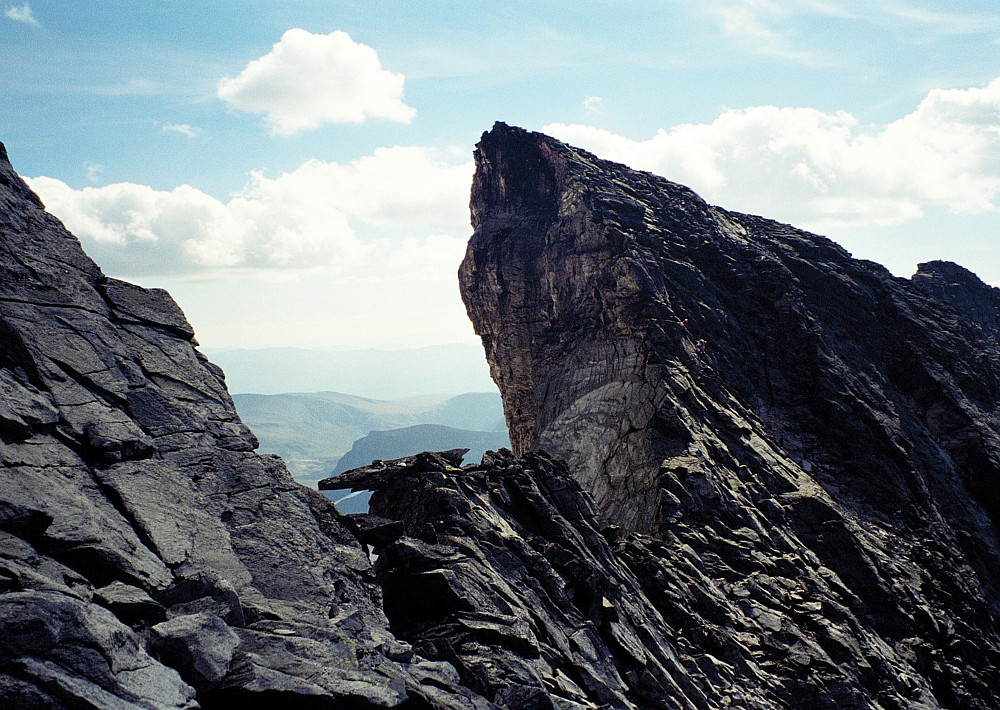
{"points": [[307, 80], [817, 170], [375, 212], [823, 170]]}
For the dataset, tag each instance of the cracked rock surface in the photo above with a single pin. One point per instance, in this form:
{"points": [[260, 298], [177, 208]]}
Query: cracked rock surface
{"points": [[808, 446], [148, 557], [501, 570]]}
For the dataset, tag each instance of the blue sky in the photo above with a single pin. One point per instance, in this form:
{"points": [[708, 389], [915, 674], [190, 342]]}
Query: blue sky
{"points": [[297, 173]]}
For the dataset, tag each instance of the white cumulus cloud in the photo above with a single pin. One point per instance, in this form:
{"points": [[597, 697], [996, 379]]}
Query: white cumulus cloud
{"points": [[320, 216], [22, 14], [135, 230], [307, 80], [402, 186], [823, 170]]}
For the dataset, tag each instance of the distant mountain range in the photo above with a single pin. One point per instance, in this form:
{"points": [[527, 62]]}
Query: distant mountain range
{"points": [[311, 431], [380, 374]]}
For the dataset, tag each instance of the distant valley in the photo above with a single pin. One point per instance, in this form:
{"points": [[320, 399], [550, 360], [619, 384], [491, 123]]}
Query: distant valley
{"points": [[314, 431]]}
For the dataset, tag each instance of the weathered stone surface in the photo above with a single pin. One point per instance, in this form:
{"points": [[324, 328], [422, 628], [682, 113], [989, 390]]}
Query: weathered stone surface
{"points": [[200, 646], [502, 572], [820, 479], [76, 654], [130, 604], [976, 303], [130, 498]]}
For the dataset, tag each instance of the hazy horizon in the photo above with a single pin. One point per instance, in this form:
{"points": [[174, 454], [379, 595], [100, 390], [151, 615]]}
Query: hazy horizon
{"points": [[373, 373]]}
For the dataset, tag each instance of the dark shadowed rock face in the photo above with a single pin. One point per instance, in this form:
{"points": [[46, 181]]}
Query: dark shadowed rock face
{"points": [[821, 478], [148, 558], [501, 570], [976, 302]]}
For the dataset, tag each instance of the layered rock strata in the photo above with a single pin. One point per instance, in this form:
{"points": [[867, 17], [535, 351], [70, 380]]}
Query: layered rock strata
{"points": [[148, 557], [501, 570], [812, 443]]}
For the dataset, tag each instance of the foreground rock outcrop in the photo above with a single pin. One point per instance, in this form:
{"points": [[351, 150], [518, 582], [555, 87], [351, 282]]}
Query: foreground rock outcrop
{"points": [[501, 570], [148, 557], [813, 444]]}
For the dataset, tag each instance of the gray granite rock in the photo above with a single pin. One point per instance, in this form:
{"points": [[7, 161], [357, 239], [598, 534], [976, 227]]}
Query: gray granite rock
{"points": [[135, 516], [811, 445], [130, 604], [502, 571], [200, 646], [76, 654]]}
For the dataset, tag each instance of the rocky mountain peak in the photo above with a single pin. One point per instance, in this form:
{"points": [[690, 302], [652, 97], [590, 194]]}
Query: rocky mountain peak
{"points": [[976, 302], [11, 184], [722, 381], [627, 322]]}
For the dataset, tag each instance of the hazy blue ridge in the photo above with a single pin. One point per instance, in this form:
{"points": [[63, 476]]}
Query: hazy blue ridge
{"points": [[312, 430], [396, 443]]}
